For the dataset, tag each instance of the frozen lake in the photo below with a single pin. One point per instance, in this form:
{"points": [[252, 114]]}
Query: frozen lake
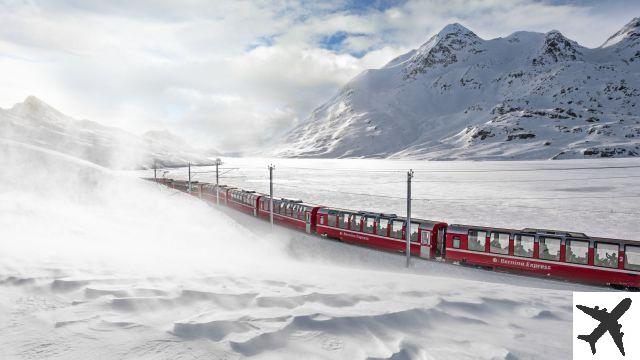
{"points": [[598, 197]]}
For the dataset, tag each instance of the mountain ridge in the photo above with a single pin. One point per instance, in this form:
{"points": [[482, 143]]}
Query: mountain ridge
{"points": [[37, 123], [525, 96]]}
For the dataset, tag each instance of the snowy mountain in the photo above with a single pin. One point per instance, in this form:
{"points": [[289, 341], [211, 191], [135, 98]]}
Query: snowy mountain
{"points": [[36, 123], [526, 96]]}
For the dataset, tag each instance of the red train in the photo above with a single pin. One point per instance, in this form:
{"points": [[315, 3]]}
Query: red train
{"points": [[549, 253]]}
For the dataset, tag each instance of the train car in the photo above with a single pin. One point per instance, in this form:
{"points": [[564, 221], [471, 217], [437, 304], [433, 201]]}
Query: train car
{"points": [[244, 200], [183, 185], [210, 193], [382, 231], [291, 213], [552, 253]]}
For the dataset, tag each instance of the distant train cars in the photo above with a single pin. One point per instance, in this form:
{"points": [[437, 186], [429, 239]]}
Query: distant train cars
{"points": [[382, 231], [290, 213], [550, 253]]}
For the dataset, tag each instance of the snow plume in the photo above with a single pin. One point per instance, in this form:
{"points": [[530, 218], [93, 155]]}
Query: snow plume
{"points": [[56, 208]]}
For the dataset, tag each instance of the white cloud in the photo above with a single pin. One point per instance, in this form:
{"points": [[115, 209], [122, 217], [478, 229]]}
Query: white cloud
{"points": [[229, 73]]}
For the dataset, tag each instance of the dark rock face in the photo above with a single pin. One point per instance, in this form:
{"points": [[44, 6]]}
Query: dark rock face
{"points": [[557, 48]]}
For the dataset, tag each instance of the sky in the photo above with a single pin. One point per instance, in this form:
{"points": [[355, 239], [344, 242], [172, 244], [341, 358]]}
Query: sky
{"points": [[233, 74]]}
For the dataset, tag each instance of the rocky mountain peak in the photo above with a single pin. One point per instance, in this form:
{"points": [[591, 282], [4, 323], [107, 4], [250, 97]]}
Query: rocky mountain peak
{"points": [[557, 48], [34, 108], [443, 49], [629, 32], [454, 29]]}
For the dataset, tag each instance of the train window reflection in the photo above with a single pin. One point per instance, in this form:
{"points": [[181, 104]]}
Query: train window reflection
{"points": [[632, 257], [606, 255], [414, 231], [396, 229], [523, 246], [355, 222], [368, 225], [456, 242], [477, 240], [577, 251], [382, 226], [499, 243], [331, 219], [549, 248], [343, 220]]}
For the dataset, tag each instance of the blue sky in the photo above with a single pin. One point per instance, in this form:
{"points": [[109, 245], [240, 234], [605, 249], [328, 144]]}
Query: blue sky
{"points": [[231, 73]]}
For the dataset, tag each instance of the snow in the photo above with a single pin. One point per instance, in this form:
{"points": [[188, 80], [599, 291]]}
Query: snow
{"points": [[526, 96], [99, 264]]}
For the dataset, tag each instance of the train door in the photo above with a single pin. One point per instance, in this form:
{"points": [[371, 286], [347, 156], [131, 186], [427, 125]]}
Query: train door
{"points": [[440, 243], [307, 220], [425, 244]]}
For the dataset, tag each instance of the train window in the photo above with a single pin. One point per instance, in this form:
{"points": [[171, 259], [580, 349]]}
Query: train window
{"points": [[303, 211], [456, 242], [414, 231], [343, 220], [632, 257], [368, 224], [331, 219], [523, 246], [577, 251], [499, 243], [382, 226], [355, 222], [606, 255], [396, 229], [549, 248], [477, 240]]}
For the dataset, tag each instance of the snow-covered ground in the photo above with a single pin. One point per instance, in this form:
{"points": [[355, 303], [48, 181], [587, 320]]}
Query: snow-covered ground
{"points": [[98, 264]]}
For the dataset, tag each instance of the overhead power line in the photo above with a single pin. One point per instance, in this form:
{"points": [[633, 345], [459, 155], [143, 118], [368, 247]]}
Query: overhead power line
{"points": [[469, 199], [460, 171]]}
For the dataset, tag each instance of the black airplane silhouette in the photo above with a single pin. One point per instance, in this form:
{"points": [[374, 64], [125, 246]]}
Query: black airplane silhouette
{"points": [[608, 322]]}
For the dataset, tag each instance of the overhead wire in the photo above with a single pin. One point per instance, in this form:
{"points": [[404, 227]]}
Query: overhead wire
{"points": [[455, 170]]}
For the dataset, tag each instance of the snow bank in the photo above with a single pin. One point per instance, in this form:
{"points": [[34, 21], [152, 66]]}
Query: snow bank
{"points": [[58, 208]]}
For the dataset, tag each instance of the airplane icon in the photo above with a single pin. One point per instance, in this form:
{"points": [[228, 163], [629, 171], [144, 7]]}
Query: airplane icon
{"points": [[608, 322]]}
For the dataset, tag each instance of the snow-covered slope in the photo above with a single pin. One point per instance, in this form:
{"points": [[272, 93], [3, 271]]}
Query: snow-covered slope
{"points": [[526, 96], [34, 122]]}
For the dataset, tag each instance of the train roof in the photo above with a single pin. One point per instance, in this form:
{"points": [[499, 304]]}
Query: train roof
{"points": [[533, 231], [382, 215]]}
